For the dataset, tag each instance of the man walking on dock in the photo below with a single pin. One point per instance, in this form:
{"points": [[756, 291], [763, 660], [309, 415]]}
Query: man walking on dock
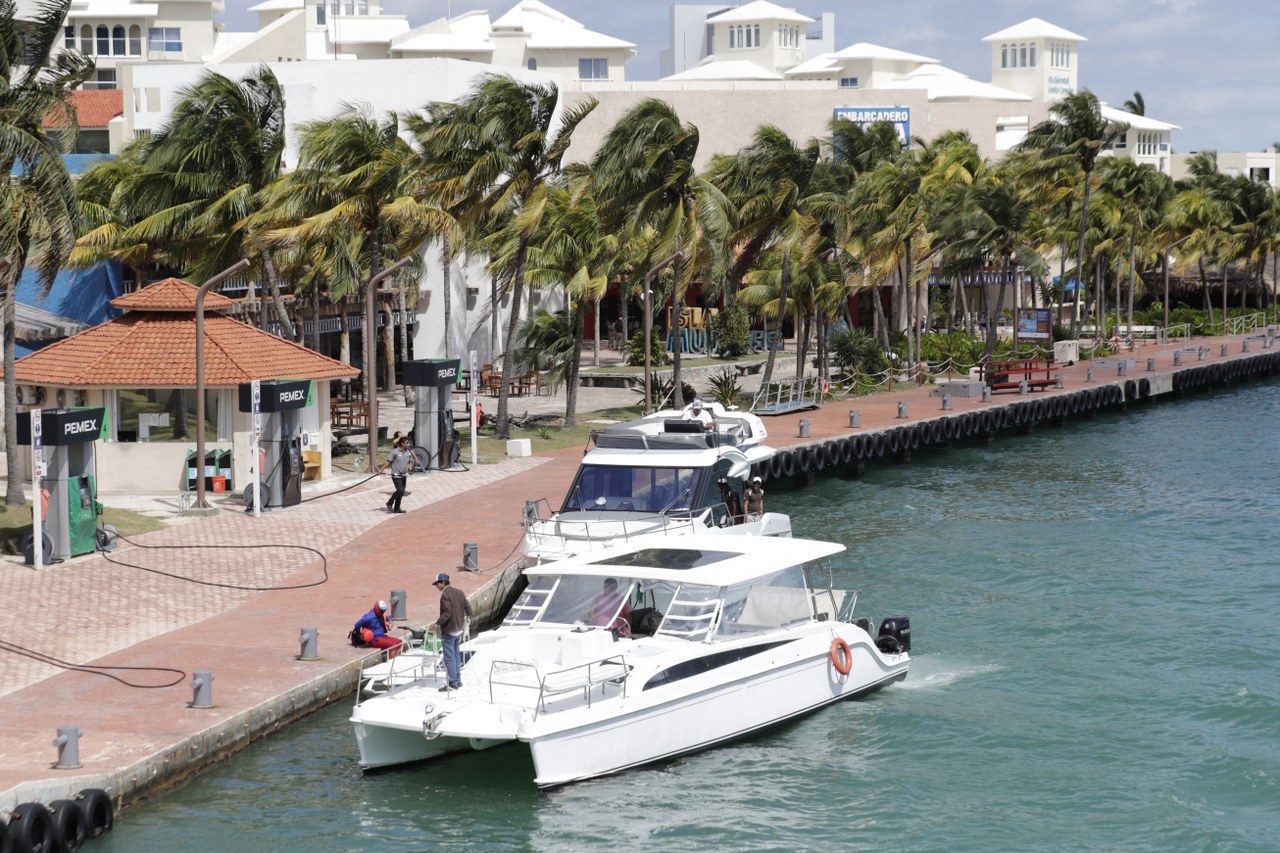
{"points": [[455, 610]]}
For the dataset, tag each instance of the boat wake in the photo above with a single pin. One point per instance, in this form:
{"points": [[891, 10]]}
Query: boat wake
{"points": [[930, 672]]}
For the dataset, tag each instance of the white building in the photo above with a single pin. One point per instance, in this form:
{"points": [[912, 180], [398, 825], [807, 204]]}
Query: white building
{"points": [[699, 32]]}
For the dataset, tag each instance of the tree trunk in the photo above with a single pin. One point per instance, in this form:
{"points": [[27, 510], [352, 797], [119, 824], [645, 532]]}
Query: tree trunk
{"points": [[277, 300], [315, 317], [1084, 223], [783, 288], [1226, 268], [446, 293], [344, 333], [14, 494], [388, 350], [403, 308], [1204, 287], [503, 426], [676, 328], [571, 369], [624, 316]]}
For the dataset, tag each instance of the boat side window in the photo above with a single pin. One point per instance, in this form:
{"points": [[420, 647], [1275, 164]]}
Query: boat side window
{"points": [[583, 600], [532, 601], [767, 603]]}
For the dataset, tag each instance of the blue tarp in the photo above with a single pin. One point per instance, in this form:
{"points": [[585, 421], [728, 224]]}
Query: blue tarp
{"points": [[80, 295]]}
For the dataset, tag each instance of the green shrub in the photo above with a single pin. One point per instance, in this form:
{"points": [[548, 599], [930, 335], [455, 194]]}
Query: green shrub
{"points": [[857, 351], [725, 389], [732, 330], [635, 350]]}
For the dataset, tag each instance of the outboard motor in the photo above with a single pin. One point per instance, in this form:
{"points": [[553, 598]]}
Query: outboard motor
{"points": [[895, 635]]}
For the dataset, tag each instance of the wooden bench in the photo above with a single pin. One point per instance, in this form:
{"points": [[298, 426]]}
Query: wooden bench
{"points": [[1009, 375]]}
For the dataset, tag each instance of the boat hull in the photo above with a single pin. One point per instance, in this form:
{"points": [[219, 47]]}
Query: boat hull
{"points": [[684, 721]]}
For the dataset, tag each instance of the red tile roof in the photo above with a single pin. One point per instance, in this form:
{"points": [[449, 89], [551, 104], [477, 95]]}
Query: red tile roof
{"points": [[157, 349], [94, 108], [171, 294]]}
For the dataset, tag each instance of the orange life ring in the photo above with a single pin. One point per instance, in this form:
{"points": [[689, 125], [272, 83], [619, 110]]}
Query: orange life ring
{"points": [[841, 656]]}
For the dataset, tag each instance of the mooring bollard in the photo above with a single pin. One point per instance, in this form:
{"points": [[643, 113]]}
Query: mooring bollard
{"points": [[202, 689], [1223, 350], [1122, 368], [1201, 352], [1023, 388], [470, 557], [1244, 345], [1151, 365], [310, 643], [1177, 358], [855, 418], [946, 402], [397, 600], [902, 410], [986, 393], [804, 428], [1088, 377], [68, 744]]}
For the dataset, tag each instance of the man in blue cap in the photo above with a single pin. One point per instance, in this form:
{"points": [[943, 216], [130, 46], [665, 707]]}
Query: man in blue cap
{"points": [[455, 610]]}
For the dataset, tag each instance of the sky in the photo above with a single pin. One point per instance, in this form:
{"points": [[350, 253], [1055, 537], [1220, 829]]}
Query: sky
{"points": [[1212, 67]]}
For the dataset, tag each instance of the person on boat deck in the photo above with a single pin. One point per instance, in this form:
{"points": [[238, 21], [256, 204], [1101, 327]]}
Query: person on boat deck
{"points": [[695, 412], [732, 503], [373, 627], [605, 605], [755, 500], [455, 610]]}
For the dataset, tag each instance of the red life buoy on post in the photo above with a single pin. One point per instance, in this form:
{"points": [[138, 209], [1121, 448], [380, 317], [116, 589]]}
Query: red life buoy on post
{"points": [[841, 656]]}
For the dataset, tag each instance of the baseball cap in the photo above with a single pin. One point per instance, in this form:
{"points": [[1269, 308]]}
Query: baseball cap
{"points": [[441, 578], [697, 404], [382, 605], [756, 480]]}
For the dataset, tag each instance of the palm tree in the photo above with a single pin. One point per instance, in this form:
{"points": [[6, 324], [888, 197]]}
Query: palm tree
{"points": [[1139, 194], [353, 181], [570, 249], [647, 180], [208, 166], [772, 185], [110, 203], [1136, 105], [37, 204], [488, 159], [1076, 130]]}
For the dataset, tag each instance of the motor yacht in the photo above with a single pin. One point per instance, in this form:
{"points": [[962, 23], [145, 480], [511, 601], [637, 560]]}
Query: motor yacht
{"points": [[639, 653], [663, 473]]}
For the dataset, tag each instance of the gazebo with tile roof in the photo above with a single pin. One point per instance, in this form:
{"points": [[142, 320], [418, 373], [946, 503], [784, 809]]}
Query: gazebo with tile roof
{"points": [[142, 366]]}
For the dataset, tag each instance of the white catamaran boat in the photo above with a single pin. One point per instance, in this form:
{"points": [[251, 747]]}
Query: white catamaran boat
{"points": [[660, 473], [639, 653]]}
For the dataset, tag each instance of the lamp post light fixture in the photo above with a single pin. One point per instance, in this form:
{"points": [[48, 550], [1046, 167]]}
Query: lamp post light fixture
{"points": [[1164, 263], [371, 354], [648, 325], [242, 264]]}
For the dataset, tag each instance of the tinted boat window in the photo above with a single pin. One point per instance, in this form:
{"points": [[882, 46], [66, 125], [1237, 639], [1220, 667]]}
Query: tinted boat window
{"points": [[668, 558]]}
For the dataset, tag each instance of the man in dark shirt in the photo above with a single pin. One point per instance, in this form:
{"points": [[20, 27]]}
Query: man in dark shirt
{"points": [[454, 612], [400, 462]]}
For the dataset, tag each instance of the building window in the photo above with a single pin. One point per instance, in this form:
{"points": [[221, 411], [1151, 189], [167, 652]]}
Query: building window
{"points": [[135, 40], [117, 40], [733, 37], [1004, 56], [103, 78], [69, 38], [532, 64], [167, 414], [1148, 143], [848, 82], [86, 40], [320, 10], [593, 69], [1022, 56], [104, 40], [755, 32], [164, 39], [1031, 53]]}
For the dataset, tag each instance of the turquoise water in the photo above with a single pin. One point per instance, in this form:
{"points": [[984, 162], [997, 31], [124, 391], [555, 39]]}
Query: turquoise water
{"points": [[1094, 619]]}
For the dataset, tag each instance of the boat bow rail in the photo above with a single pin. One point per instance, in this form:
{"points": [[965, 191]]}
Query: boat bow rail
{"points": [[525, 675]]}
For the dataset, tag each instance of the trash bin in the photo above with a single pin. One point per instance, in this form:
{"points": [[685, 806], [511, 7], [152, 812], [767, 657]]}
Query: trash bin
{"points": [[224, 468], [190, 466]]}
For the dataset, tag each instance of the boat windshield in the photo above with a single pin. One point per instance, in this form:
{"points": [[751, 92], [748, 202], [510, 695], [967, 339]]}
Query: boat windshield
{"points": [[695, 612], [637, 488], [573, 600]]}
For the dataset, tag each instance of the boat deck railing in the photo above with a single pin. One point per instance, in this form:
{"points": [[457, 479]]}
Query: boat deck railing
{"points": [[541, 528], [603, 673]]}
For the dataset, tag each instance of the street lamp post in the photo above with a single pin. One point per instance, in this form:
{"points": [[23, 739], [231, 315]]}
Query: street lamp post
{"points": [[243, 263], [370, 354], [648, 326]]}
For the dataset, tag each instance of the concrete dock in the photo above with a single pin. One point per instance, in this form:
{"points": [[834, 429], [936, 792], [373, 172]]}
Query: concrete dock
{"points": [[323, 563]]}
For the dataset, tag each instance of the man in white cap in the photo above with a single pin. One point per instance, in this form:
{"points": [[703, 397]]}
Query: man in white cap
{"points": [[755, 499], [455, 610], [695, 412]]}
